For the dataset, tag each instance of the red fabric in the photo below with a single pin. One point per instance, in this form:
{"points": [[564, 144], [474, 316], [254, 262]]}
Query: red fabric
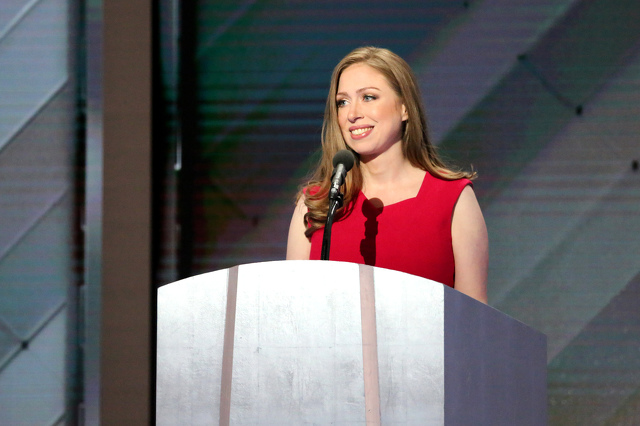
{"points": [[412, 236]]}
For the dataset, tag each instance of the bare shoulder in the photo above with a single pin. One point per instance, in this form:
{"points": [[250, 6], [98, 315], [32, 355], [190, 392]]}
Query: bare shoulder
{"points": [[470, 246], [467, 206], [298, 245]]}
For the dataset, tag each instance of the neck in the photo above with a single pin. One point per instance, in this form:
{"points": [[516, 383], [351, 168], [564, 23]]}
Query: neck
{"points": [[390, 181], [386, 167]]}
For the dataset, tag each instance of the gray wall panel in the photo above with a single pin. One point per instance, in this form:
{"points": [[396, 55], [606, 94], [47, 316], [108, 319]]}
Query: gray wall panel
{"points": [[34, 58], [37, 212]]}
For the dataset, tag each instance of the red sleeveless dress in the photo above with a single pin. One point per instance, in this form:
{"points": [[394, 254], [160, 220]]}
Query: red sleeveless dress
{"points": [[413, 235]]}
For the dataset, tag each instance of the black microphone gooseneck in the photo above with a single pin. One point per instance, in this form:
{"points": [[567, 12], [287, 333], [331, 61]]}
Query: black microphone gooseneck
{"points": [[343, 161]]}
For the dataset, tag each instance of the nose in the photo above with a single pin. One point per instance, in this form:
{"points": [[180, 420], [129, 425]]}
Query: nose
{"points": [[354, 112]]}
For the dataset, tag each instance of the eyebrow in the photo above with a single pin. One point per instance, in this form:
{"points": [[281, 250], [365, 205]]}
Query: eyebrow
{"points": [[364, 89]]}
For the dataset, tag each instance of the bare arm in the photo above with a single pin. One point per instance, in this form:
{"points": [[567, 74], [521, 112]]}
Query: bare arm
{"points": [[470, 246], [298, 245]]}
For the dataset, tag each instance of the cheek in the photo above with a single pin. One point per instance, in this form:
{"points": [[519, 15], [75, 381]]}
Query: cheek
{"points": [[342, 118], [380, 112], [394, 114]]}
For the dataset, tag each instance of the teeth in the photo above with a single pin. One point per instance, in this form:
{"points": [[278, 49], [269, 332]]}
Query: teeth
{"points": [[360, 131]]}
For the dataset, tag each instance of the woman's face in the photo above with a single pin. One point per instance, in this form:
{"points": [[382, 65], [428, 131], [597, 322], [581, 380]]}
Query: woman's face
{"points": [[370, 114]]}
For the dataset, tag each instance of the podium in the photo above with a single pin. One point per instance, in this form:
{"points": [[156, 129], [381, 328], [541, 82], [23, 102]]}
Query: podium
{"points": [[318, 342]]}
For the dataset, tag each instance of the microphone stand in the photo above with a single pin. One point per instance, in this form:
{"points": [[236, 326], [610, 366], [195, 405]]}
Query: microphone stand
{"points": [[343, 161], [335, 202]]}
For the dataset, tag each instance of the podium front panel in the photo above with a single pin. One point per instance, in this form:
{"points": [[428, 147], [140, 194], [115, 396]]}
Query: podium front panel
{"points": [[298, 345], [191, 319], [410, 318], [316, 342]]}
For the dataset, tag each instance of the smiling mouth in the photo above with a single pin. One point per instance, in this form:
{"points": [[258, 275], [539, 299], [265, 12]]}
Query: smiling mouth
{"points": [[360, 131]]}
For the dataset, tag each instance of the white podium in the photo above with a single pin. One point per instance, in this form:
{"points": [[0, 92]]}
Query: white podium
{"points": [[317, 342]]}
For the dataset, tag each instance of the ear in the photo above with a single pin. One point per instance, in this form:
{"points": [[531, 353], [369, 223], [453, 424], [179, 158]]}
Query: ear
{"points": [[405, 114]]}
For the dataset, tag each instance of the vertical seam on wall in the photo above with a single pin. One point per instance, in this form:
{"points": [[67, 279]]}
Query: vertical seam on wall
{"points": [[369, 346], [227, 351]]}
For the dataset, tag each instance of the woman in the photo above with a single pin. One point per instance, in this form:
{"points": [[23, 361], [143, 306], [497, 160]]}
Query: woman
{"points": [[403, 208]]}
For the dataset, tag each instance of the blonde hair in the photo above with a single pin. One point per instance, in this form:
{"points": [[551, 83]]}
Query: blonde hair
{"points": [[416, 145]]}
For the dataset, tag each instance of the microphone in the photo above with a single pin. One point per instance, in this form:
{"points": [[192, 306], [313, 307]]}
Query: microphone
{"points": [[343, 161]]}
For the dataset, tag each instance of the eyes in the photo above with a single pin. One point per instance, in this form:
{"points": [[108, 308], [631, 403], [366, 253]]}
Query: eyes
{"points": [[366, 98]]}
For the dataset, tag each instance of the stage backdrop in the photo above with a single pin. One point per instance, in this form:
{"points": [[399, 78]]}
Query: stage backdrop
{"points": [[540, 96], [40, 201]]}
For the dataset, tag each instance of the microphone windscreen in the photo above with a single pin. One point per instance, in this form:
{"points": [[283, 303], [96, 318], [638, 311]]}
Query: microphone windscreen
{"points": [[344, 157]]}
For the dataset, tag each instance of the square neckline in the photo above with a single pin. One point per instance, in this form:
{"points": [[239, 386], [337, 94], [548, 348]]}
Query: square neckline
{"points": [[384, 206]]}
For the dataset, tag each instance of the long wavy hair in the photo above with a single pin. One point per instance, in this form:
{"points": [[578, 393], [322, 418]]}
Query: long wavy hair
{"points": [[416, 145]]}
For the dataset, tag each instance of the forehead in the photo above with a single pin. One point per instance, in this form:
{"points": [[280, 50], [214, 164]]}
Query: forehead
{"points": [[361, 75]]}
